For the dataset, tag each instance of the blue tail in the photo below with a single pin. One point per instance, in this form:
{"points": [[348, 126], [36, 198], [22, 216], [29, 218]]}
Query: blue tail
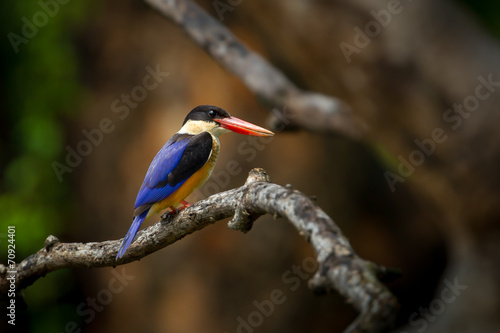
{"points": [[129, 237]]}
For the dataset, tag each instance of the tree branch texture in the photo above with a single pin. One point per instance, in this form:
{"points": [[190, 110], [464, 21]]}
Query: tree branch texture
{"points": [[308, 110], [340, 268]]}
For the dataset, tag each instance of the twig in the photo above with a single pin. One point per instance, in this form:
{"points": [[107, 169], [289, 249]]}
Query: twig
{"points": [[294, 108], [340, 267]]}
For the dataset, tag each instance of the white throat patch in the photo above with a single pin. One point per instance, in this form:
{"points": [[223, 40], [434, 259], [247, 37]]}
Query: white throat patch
{"points": [[195, 127]]}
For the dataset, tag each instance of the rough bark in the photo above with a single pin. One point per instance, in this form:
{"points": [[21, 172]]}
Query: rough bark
{"points": [[422, 68], [340, 268]]}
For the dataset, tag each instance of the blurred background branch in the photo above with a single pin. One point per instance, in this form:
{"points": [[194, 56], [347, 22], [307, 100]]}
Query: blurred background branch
{"points": [[307, 110]]}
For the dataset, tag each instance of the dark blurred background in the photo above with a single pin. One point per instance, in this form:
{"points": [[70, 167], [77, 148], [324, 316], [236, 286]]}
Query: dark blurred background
{"points": [[67, 78]]}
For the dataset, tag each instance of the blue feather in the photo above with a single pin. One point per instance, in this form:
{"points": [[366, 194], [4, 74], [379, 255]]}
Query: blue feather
{"points": [[164, 162], [129, 237]]}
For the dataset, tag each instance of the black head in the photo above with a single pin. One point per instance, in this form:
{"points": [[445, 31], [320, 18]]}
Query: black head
{"points": [[206, 113]]}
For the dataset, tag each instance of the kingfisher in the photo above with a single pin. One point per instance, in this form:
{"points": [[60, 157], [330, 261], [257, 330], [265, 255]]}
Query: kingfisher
{"points": [[184, 164]]}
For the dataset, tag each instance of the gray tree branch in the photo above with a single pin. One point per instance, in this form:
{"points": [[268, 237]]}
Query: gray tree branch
{"points": [[340, 268], [304, 109]]}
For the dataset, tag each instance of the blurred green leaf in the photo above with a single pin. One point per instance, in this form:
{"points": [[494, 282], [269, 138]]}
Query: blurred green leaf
{"points": [[40, 88]]}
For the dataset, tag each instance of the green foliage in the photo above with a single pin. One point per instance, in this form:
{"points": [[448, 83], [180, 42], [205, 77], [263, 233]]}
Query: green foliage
{"points": [[40, 87]]}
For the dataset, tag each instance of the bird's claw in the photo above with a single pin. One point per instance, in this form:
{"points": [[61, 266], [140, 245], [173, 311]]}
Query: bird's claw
{"points": [[174, 210]]}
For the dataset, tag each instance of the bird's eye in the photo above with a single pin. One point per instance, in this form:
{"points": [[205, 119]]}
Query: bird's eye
{"points": [[211, 113]]}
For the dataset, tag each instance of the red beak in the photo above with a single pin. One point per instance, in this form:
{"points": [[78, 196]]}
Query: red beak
{"points": [[243, 127]]}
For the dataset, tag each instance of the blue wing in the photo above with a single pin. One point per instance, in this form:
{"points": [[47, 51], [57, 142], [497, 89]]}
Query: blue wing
{"points": [[155, 186], [178, 160]]}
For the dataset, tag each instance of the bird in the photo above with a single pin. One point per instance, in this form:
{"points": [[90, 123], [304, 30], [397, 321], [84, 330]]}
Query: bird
{"points": [[184, 164]]}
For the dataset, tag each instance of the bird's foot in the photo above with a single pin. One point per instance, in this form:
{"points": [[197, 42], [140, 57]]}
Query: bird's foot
{"points": [[185, 204], [174, 210]]}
